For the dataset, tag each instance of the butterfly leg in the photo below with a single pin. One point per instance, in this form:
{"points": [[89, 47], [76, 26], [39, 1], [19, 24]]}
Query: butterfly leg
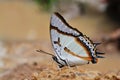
{"points": [[59, 64], [71, 70], [66, 62]]}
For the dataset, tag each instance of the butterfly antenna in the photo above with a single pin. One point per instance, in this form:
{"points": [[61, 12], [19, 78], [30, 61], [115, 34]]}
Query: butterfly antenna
{"points": [[41, 51]]}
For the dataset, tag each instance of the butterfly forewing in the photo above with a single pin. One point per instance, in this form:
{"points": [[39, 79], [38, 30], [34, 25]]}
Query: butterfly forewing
{"points": [[57, 21]]}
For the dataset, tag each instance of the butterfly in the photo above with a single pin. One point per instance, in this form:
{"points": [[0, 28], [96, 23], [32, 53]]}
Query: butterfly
{"points": [[71, 46]]}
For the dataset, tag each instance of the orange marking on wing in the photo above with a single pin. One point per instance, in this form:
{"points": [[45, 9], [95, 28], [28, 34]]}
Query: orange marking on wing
{"points": [[87, 51], [72, 53]]}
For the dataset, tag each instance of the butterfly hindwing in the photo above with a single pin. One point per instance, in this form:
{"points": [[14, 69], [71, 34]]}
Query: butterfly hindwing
{"points": [[67, 47]]}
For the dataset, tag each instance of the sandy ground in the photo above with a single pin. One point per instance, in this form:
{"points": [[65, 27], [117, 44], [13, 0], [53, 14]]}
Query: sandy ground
{"points": [[22, 62], [23, 21]]}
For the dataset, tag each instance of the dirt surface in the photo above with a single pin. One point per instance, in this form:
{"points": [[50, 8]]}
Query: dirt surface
{"points": [[47, 72], [22, 62]]}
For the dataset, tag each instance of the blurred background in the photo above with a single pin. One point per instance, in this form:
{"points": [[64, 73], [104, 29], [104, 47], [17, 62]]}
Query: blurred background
{"points": [[24, 28]]}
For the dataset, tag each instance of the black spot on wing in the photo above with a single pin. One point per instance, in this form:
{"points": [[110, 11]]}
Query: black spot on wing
{"points": [[57, 42]]}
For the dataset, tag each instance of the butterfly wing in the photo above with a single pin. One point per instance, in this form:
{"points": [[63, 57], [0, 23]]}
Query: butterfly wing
{"points": [[66, 42], [58, 22]]}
